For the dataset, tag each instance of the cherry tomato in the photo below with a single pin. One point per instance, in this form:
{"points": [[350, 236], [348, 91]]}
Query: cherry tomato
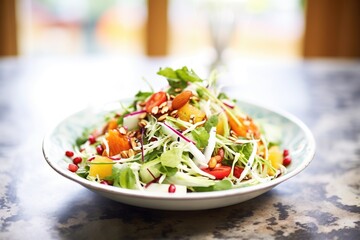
{"points": [[238, 171], [218, 172], [155, 100], [223, 171]]}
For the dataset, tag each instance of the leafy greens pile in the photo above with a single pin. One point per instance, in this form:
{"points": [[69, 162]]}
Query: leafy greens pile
{"points": [[189, 137]]}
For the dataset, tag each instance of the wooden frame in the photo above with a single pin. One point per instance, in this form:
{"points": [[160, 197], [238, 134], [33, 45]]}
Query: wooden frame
{"points": [[332, 29], [157, 28], [8, 28]]}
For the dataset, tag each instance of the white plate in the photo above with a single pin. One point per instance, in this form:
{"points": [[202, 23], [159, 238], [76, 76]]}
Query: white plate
{"points": [[295, 136]]}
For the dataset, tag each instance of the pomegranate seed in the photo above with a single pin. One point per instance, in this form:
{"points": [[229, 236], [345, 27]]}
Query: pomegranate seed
{"points": [[92, 139], [172, 188], [286, 153], [69, 153], [221, 153], [77, 160], [72, 167], [104, 182], [99, 149], [286, 161]]}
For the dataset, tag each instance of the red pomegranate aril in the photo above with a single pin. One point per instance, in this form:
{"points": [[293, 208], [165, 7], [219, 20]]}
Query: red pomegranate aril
{"points": [[92, 139], [77, 160], [69, 153], [72, 167], [99, 149], [221, 153], [172, 188], [237, 171], [287, 161], [286, 153], [104, 182]]}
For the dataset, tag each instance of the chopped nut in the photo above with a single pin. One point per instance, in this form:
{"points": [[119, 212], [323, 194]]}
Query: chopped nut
{"points": [[143, 123], [172, 97], [162, 117], [212, 163], [142, 104], [155, 110], [173, 113], [142, 115], [138, 134], [195, 98], [133, 142], [164, 110], [177, 90], [131, 134], [163, 105], [131, 153], [232, 138], [233, 134], [124, 154], [181, 99], [249, 134], [122, 130]]}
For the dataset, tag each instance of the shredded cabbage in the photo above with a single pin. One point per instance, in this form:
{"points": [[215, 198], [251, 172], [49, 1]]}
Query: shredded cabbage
{"points": [[206, 143]]}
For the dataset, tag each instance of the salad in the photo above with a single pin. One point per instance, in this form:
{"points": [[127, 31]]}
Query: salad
{"points": [[187, 137]]}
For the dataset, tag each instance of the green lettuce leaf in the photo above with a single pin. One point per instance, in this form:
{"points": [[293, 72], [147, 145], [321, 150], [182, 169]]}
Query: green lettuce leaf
{"points": [[201, 137], [211, 122], [171, 158], [218, 186]]}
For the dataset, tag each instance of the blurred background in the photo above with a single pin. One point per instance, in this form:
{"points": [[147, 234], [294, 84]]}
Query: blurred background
{"points": [[289, 29]]}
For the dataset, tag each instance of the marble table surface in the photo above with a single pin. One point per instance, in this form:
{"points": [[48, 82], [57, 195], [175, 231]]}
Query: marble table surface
{"points": [[322, 202]]}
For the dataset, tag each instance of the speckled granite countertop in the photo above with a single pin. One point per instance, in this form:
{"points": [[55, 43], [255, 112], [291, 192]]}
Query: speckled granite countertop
{"points": [[322, 202]]}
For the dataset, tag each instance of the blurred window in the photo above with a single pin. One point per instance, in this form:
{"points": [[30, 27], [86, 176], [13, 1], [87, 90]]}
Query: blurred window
{"points": [[246, 27], [240, 27], [82, 26]]}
